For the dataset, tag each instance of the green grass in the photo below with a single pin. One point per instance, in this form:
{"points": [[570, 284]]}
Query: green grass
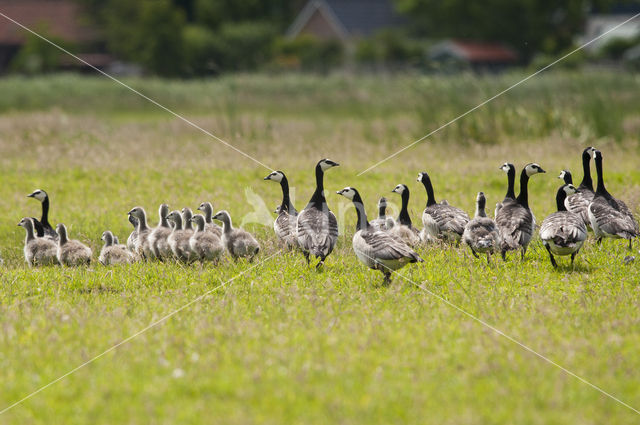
{"points": [[283, 343]]}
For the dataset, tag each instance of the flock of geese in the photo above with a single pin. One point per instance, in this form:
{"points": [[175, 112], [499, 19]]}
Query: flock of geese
{"points": [[385, 244]]}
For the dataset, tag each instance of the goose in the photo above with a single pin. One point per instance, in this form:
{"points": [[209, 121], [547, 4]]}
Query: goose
{"points": [[142, 246], [441, 221], [37, 251], [158, 236], [133, 236], [565, 175], [285, 224], [610, 217], [205, 245], [187, 214], [510, 170], [238, 242], [377, 249], [316, 225], [383, 222], [178, 239], [71, 252], [403, 227], [579, 202], [112, 252], [481, 233], [563, 232], [515, 219], [42, 226], [210, 226]]}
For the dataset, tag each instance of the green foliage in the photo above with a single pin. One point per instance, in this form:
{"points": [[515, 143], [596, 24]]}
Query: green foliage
{"points": [[308, 53], [389, 47], [615, 48], [37, 56]]}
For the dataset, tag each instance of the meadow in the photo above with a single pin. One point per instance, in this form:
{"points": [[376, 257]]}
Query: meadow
{"points": [[275, 341]]}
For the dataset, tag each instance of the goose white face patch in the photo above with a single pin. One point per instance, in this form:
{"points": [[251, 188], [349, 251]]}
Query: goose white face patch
{"points": [[570, 189], [276, 176], [562, 174], [325, 165], [532, 169], [505, 167], [39, 195], [348, 192], [400, 188]]}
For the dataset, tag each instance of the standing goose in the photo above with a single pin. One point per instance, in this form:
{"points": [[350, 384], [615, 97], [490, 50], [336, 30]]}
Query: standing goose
{"points": [[563, 232], [71, 252], [209, 226], [43, 226], [403, 227], [610, 217], [37, 251], [113, 253], [510, 170], [579, 202], [205, 245], [178, 239], [377, 249], [383, 222], [285, 224], [238, 242], [141, 245], [158, 236], [441, 221], [316, 226], [481, 233], [515, 219]]}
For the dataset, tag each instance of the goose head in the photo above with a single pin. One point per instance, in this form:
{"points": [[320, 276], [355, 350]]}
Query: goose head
{"points": [[563, 174], [570, 189], [38, 194], [276, 176], [596, 154], [174, 217], [588, 151], [278, 209], [507, 166], [326, 163], [422, 177], [26, 222], [348, 192], [187, 214], [107, 237], [163, 210], [198, 220], [222, 216], [137, 212], [533, 168], [481, 198], [400, 189]]}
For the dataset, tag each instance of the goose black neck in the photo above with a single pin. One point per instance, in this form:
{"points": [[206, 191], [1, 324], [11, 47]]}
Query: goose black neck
{"points": [[560, 197], [511, 180], [523, 196], [426, 181], [45, 212], [586, 183], [318, 198], [286, 200], [568, 178], [38, 227], [601, 189], [363, 223], [404, 217], [480, 206]]}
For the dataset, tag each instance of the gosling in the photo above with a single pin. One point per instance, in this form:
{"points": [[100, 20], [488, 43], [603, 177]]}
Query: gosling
{"points": [[71, 252], [113, 253], [205, 245], [238, 242]]}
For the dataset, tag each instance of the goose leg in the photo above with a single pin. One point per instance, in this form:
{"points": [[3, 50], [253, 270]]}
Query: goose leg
{"points": [[599, 240], [306, 256], [553, 260], [573, 256], [474, 253], [488, 258], [630, 248], [524, 251], [504, 255], [387, 278]]}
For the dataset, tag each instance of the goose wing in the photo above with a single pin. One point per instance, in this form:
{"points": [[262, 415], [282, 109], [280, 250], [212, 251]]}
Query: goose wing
{"points": [[564, 228], [448, 218], [578, 204], [481, 232], [317, 231], [285, 226], [382, 246], [610, 220], [515, 223]]}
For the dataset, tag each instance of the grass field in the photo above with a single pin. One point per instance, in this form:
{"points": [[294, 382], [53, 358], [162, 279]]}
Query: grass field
{"points": [[282, 343]]}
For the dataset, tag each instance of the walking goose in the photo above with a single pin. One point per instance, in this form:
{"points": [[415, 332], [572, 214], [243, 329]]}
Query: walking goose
{"points": [[42, 226], [383, 222], [205, 245], [563, 232], [515, 219], [209, 226], [481, 233], [403, 227], [285, 224], [178, 239], [37, 251], [113, 253], [238, 242], [377, 249], [71, 252], [142, 246], [158, 236], [610, 217], [579, 202], [316, 225], [510, 170], [441, 221]]}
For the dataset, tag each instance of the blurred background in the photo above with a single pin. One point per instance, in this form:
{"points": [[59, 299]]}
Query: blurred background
{"points": [[198, 38]]}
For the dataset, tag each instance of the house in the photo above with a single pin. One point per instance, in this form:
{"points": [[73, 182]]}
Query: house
{"points": [[344, 20], [600, 22], [59, 19], [479, 56]]}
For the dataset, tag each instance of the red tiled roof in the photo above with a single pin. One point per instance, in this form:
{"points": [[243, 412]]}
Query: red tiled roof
{"points": [[59, 18], [485, 52]]}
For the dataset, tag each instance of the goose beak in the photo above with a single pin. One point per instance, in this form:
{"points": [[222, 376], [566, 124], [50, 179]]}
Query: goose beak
{"points": [[30, 195], [268, 177], [542, 171]]}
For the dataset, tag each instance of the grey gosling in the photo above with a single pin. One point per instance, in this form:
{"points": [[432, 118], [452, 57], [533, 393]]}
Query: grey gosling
{"points": [[377, 249], [133, 236], [38, 251], [209, 226], [112, 252], [383, 222], [179, 238], [142, 246], [238, 242], [158, 236], [205, 245], [481, 233], [71, 252]]}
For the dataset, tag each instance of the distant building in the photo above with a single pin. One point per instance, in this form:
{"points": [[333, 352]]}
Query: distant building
{"points": [[60, 19], [599, 23], [344, 19], [479, 56]]}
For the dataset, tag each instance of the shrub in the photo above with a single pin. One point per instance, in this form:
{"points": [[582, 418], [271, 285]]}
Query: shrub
{"points": [[308, 53]]}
